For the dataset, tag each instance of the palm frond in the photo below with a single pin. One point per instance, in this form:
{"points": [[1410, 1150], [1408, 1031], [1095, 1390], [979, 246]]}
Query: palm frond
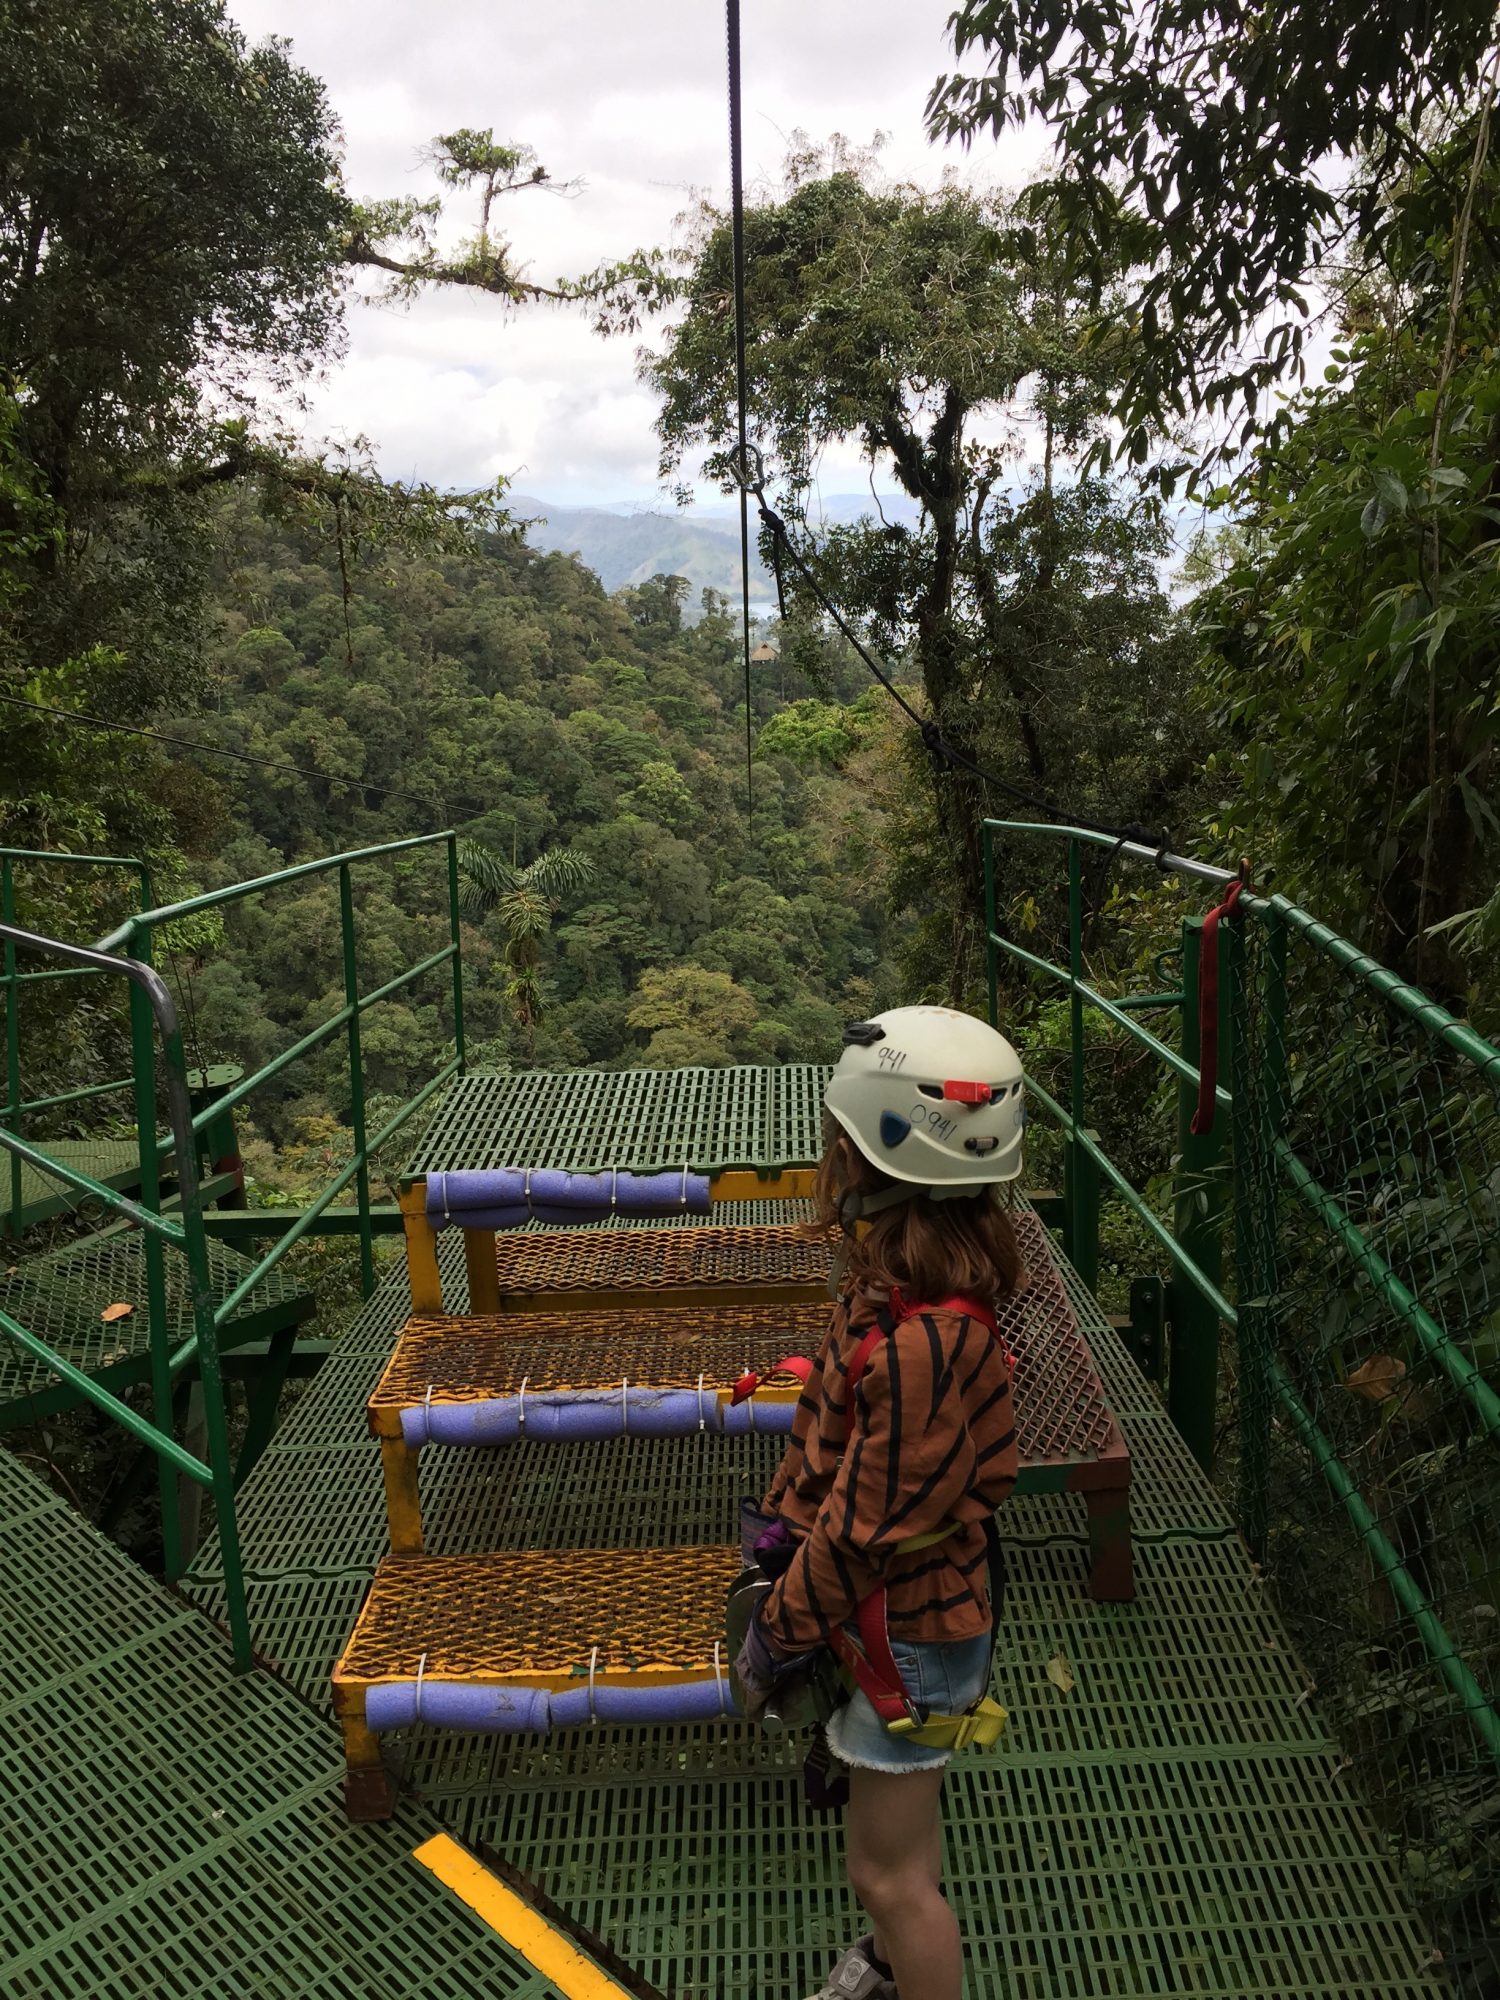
{"points": [[556, 873], [484, 877]]}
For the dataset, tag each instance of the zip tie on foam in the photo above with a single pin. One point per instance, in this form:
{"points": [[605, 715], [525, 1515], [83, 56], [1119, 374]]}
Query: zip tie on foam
{"points": [[614, 1188], [521, 1407], [625, 1407], [684, 1189], [593, 1670], [702, 1424], [719, 1679], [427, 1416], [421, 1676]]}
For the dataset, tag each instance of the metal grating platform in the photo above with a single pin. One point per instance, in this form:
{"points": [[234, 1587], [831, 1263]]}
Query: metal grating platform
{"points": [[59, 1297], [640, 1120], [169, 1831], [114, 1162], [1177, 1825]]}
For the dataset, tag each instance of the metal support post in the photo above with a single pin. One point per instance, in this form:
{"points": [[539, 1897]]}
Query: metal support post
{"points": [[356, 1083], [1080, 1175], [1198, 1224]]}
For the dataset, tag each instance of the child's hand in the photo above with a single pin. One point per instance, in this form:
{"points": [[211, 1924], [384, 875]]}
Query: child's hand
{"points": [[760, 1665]]}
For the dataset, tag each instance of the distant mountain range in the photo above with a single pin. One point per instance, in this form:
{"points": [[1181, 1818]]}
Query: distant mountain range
{"points": [[624, 543]]}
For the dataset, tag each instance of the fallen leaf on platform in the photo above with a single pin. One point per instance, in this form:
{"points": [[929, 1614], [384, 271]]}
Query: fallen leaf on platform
{"points": [[1060, 1673], [119, 1310], [1376, 1379]]}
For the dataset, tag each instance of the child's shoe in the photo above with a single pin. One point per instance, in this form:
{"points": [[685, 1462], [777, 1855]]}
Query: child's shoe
{"points": [[855, 1978]]}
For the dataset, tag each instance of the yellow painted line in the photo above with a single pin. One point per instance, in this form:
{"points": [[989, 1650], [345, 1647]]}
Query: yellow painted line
{"points": [[513, 1919]]}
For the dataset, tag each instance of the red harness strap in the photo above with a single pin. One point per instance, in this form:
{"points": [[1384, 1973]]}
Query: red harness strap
{"points": [[790, 1364], [871, 1661], [1208, 1010]]}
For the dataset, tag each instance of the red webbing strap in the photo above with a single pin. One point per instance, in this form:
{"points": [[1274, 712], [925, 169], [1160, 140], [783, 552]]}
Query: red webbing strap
{"points": [[1208, 1011], [789, 1364], [872, 1662]]}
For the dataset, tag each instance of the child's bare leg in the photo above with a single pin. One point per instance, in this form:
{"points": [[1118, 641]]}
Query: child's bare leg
{"points": [[894, 1840]]}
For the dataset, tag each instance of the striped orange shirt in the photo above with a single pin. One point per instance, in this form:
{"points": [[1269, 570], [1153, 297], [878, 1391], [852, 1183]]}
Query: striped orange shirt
{"points": [[932, 1440]]}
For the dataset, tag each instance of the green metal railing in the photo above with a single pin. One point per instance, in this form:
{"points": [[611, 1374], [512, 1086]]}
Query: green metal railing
{"points": [[156, 1035], [17, 1109], [1340, 1219]]}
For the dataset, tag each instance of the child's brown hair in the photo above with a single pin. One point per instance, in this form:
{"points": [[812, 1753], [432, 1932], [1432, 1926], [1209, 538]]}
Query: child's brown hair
{"points": [[930, 1250]]}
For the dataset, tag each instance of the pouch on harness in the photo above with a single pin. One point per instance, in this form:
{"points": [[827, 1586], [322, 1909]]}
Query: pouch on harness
{"points": [[868, 1662]]}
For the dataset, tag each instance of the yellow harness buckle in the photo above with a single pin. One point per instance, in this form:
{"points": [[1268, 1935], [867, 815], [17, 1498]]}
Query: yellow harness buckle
{"points": [[982, 1726]]}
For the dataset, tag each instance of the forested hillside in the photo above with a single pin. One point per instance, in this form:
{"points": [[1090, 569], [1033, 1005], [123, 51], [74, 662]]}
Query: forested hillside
{"points": [[521, 703]]}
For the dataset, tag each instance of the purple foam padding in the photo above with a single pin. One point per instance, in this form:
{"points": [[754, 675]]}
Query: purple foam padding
{"points": [[511, 1196], [571, 1416], [687, 1701], [739, 1418], [459, 1705]]}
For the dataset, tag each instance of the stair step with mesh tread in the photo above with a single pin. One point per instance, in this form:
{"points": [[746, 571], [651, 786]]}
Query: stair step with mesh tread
{"points": [[441, 1360], [529, 1639], [1068, 1439], [776, 1261]]}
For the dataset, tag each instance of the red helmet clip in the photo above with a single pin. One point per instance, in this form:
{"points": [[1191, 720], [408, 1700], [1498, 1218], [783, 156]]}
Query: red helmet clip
{"points": [[968, 1093]]}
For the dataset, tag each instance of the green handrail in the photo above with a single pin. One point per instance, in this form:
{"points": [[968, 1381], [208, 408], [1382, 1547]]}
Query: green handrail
{"points": [[126, 951], [1279, 915], [12, 979], [153, 1018], [345, 1020], [236, 892]]}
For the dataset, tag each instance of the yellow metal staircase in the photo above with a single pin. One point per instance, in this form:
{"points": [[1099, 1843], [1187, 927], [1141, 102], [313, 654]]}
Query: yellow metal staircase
{"points": [[582, 1319]]}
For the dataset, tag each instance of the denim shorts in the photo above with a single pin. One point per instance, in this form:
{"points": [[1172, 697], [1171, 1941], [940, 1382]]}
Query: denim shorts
{"points": [[945, 1678]]}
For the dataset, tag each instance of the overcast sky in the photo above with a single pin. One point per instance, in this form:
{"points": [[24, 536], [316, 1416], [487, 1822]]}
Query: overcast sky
{"points": [[630, 100]]}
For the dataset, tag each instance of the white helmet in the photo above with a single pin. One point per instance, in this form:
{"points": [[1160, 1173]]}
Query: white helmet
{"points": [[931, 1097]]}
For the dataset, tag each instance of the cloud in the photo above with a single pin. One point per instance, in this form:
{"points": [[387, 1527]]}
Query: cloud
{"points": [[631, 102]]}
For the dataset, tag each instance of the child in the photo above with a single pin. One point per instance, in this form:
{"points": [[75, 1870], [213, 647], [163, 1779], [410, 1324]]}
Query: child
{"points": [[928, 1103]]}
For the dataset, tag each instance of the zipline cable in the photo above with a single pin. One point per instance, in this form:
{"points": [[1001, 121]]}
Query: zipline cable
{"points": [[737, 238], [213, 750], [750, 476]]}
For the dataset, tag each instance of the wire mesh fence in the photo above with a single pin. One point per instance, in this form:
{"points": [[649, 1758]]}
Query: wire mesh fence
{"points": [[1364, 1446]]}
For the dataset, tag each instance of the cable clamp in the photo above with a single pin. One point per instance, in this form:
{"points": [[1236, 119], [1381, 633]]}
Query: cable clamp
{"points": [[750, 471]]}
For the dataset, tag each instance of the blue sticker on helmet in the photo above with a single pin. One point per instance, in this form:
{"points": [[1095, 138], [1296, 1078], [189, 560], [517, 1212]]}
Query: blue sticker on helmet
{"points": [[893, 1129]]}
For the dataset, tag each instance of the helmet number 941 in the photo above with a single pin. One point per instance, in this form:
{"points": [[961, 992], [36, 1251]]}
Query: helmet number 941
{"points": [[937, 1122]]}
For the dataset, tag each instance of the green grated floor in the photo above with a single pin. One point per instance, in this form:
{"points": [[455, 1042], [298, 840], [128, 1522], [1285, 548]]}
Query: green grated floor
{"points": [[114, 1162], [1176, 1825], [169, 1831], [60, 1297], [586, 1120]]}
